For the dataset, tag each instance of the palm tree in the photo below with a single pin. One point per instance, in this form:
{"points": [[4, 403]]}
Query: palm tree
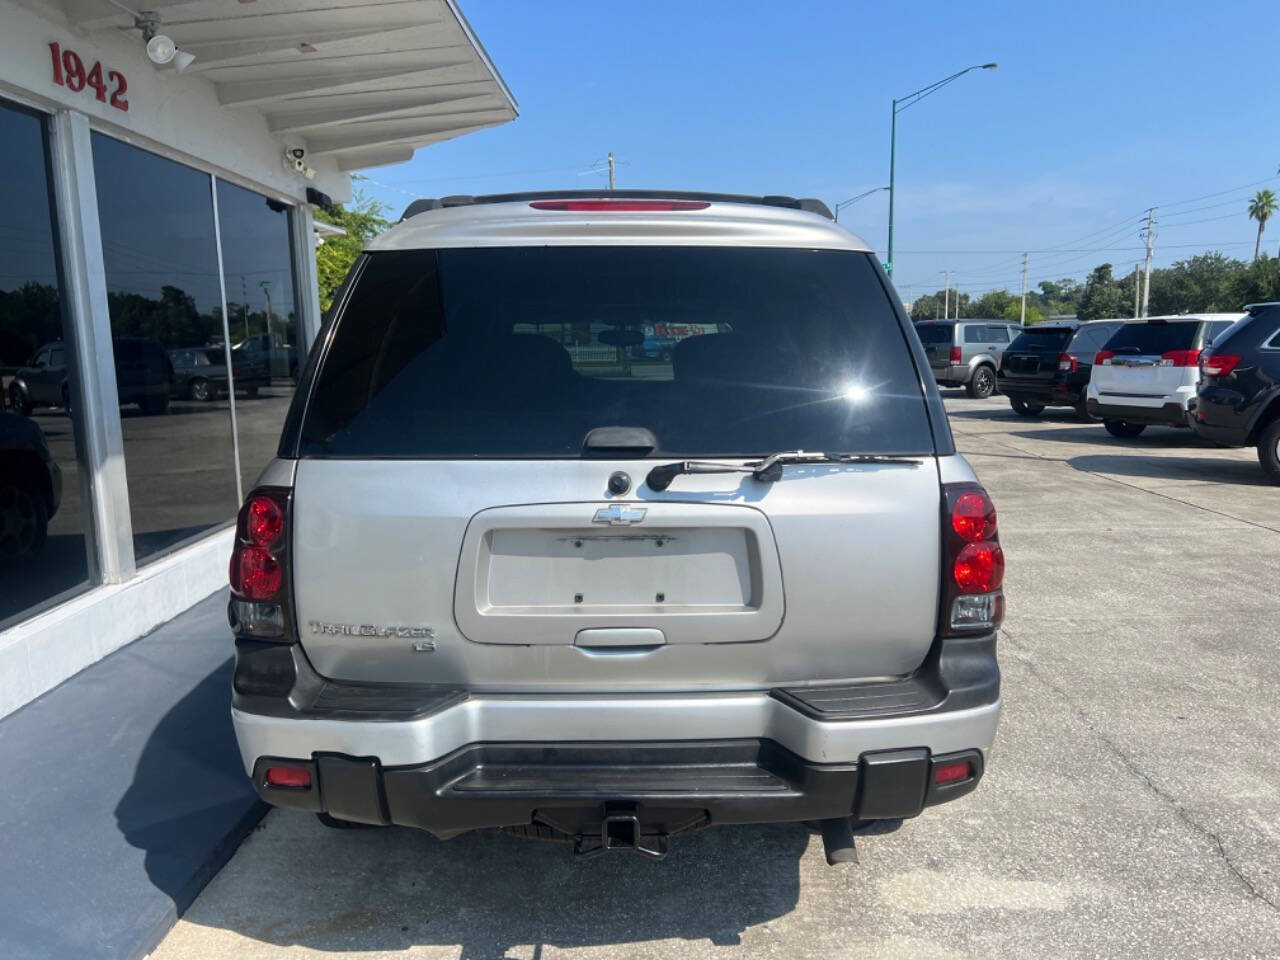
{"points": [[1261, 209]]}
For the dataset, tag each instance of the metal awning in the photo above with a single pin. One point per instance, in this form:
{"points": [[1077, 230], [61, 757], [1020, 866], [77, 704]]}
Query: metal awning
{"points": [[365, 82]]}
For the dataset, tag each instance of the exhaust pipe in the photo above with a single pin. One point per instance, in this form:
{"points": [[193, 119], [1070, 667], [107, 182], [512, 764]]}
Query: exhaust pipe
{"points": [[837, 841]]}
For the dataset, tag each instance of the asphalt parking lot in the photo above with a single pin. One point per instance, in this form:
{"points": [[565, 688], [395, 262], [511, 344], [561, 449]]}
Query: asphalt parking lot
{"points": [[1131, 809]]}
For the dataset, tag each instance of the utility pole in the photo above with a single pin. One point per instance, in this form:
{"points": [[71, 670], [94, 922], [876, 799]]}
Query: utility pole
{"points": [[611, 170], [946, 297], [1150, 234], [1023, 321], [1136, 268]]}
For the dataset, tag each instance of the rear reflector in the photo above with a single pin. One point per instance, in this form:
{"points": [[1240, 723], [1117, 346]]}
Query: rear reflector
{"points": [[618, 206], [1218, 364], [291, 778], [945, 774]]}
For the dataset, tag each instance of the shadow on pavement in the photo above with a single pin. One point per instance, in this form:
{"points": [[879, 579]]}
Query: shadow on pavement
{"points": [[1215, 470], [1154, 438], [189, 804], [486, 893]]}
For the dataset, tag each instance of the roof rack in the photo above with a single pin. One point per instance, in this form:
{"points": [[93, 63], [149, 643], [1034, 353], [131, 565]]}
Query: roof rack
{"points": [[808, 204]]}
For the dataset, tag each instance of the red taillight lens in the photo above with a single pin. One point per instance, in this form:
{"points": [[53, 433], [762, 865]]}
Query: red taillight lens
{"points": [[945, 774], [264, 522], [255, 573], [618, 206], [1218, 364], [291, 778], [1103, 357], [1180, 358], [979, 567], [1067, 363], [955, 355], [974, 517]]}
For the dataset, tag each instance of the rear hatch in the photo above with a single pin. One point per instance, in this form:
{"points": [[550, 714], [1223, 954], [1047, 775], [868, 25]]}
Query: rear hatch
{"points": [[1150, 359], [1033, 354], [938, 338], [459, 460]]}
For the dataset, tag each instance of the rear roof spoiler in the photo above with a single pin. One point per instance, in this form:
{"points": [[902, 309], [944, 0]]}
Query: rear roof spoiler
{"points": [[807, 204]]}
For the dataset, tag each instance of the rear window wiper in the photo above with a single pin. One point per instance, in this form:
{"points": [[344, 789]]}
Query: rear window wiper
{"points": [[767, 470]]}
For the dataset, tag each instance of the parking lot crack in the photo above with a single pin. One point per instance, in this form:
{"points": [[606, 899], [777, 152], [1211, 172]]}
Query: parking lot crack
{"points": [[1143, 777]]}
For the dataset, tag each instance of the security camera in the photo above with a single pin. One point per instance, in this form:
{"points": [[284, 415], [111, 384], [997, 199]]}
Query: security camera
{"points": [[294, 160]]}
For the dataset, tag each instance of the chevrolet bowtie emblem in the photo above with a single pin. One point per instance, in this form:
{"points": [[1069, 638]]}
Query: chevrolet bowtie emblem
{"points": [[617, 515]]}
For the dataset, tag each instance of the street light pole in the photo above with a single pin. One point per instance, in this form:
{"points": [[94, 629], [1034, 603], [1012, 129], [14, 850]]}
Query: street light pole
{"points": [[852, 200], [910, 100]]}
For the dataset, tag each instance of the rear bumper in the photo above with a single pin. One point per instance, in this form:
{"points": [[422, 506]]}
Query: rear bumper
{"points": [[1168, 413], [448, 760], [1050, 392], [952, 376], [1216, 416]]}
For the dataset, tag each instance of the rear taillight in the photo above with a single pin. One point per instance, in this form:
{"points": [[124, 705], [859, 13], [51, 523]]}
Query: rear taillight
{"points": [[1180, 358], [618, 206], [1219, 364], [1068, 363], [955, 355], [260, 605], [972, 562], [1103, 357]]}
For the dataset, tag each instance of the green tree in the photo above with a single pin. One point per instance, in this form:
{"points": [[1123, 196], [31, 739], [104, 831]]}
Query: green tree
{"points": [[362, 221], [993, 304], [1261, 208], [1103, 297]]}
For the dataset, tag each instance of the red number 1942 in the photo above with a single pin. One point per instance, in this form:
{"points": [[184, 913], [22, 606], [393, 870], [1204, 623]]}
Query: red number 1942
{"points": [[69, 72]]}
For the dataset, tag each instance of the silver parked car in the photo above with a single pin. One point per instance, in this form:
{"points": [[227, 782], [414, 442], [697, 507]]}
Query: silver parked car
{"points": [[966, 353], [508, 571]]}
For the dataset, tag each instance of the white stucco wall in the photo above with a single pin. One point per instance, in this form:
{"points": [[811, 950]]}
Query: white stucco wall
{"points": [[178, 115]]}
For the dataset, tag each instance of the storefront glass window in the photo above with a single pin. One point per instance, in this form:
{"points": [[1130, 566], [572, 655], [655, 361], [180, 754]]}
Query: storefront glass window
{"points": [[42, 521], [262, 317], [168, 335]]}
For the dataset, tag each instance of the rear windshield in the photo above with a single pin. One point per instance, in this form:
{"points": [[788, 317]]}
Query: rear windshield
{"points": [[935, 332], [1154, 339], [521, 351], [1036, 341]]}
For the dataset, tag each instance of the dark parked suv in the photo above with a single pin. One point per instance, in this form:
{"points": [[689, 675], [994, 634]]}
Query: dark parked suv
{"points": [[1238, 402], [1049, 365]]}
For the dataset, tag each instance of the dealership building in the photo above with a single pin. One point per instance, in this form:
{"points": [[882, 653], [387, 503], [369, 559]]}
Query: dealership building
{"points": [[158, 290]]}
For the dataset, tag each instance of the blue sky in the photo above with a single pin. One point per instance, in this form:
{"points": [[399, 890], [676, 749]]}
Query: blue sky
{"points": [[1097, 111]]}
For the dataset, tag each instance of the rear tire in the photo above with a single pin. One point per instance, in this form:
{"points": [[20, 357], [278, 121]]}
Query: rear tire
{"points": [[19, 400], [1026, 408], [1269, 451], [199, 390], [982, 384], [1123, 428], [24, 522]]}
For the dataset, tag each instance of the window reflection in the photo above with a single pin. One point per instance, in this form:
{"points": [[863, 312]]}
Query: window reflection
{"points": [[42, 541], [166, 316], [262, 317]]}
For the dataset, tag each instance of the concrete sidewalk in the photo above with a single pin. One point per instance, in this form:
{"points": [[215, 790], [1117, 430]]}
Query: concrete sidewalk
{"points": [[122, 795]]}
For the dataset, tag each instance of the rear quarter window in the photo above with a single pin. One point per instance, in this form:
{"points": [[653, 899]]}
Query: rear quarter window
{"points": [[521, 351]]}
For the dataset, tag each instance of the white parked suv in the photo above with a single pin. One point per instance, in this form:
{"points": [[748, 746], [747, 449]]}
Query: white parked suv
{"points": [[1147, 373], [513, 569]]}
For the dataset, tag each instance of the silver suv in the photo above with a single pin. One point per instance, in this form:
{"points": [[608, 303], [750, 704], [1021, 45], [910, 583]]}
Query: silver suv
{"points": [[966, 353], [516, 568]]}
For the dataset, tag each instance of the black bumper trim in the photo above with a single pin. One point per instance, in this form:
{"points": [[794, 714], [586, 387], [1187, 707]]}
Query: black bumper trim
{"points": [[959, 673], [674, 786], [1169, 414]]}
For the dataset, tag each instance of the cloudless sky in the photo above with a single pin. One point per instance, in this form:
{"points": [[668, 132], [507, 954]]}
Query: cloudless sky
{"points": [[1096, 112]]}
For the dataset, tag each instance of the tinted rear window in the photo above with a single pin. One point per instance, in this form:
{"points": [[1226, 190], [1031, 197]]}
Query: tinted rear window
{"points": [[935, 332], [1038, 341], [1153, 339], [521, 351]]}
